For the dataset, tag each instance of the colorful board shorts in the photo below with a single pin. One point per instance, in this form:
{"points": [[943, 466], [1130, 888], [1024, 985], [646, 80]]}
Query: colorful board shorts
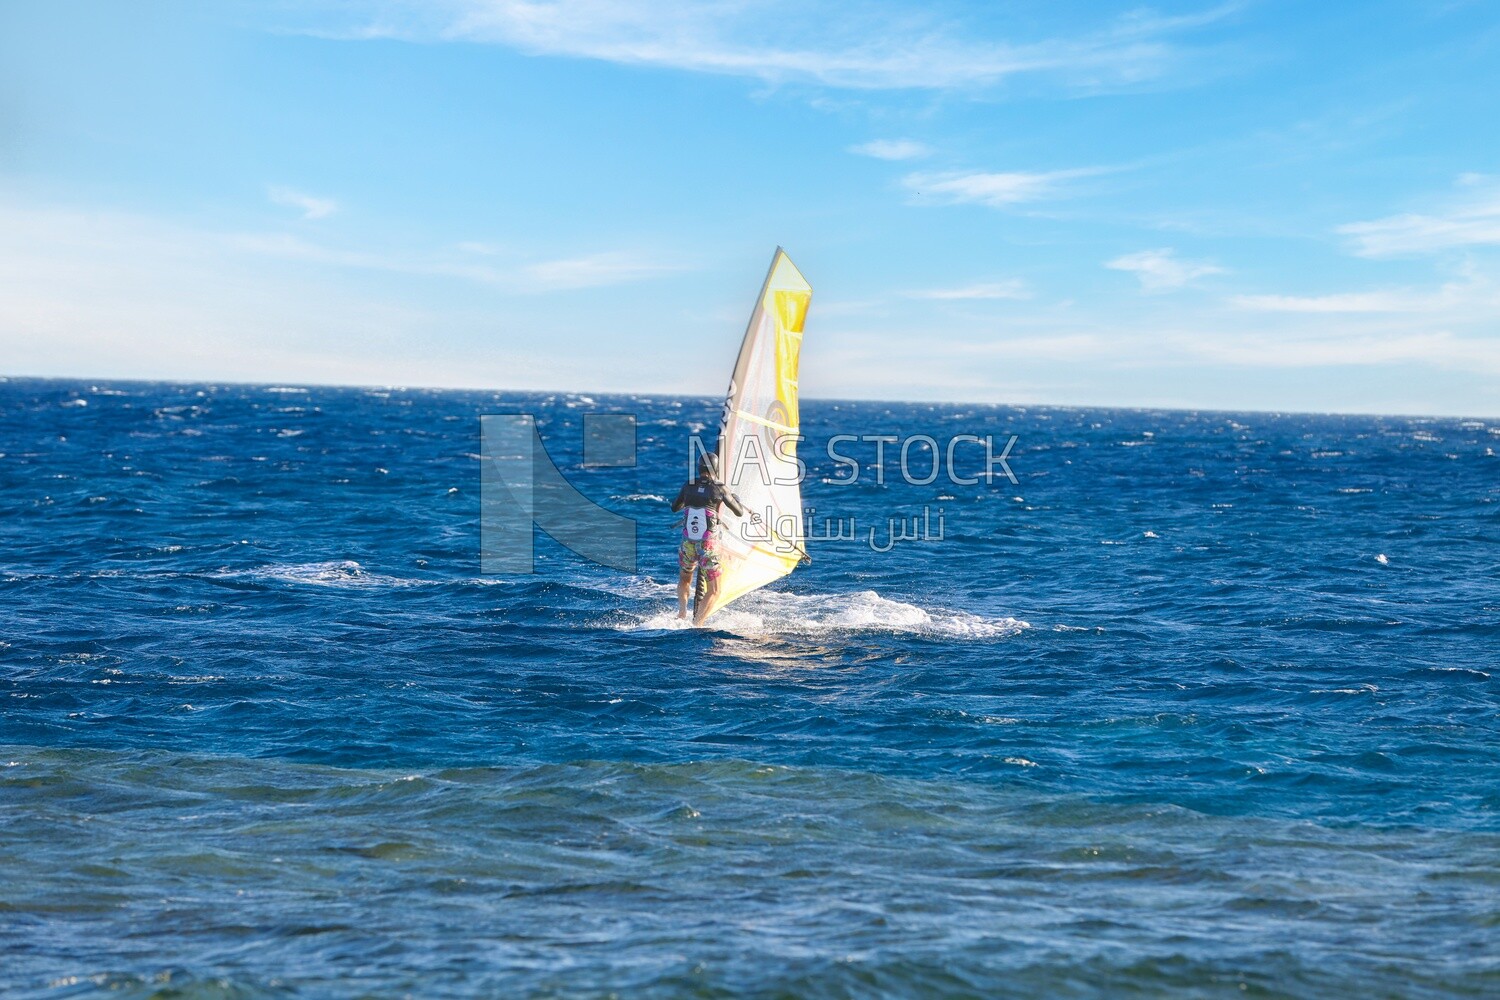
{"points": [[701, 555]]}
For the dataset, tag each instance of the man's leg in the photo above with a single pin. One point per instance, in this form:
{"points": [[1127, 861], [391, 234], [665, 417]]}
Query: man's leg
{"points": [[686, 558], [710, 588], [708, 579], [684, 584]]}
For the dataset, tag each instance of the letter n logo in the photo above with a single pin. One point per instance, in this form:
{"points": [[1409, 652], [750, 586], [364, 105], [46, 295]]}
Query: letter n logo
{"points": [[522, 489]]}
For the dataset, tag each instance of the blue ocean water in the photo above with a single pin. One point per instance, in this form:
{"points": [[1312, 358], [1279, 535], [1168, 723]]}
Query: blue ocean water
{"points": [[1202, 705]]}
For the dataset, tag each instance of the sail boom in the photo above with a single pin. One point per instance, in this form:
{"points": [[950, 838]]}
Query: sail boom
{"points": [[762, 421]]}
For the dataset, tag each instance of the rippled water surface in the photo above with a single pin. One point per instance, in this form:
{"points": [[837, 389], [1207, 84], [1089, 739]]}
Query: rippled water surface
{"points": [[1202, 705]]}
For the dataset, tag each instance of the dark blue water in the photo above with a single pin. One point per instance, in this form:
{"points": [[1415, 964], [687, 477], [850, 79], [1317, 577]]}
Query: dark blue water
{"points": [[1202, 706]]}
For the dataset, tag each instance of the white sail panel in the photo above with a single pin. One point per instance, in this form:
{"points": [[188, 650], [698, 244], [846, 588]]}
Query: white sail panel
{"points": [[758, 441]]}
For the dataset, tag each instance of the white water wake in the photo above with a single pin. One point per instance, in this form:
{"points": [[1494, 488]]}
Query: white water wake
{"points": [[781, 613]]}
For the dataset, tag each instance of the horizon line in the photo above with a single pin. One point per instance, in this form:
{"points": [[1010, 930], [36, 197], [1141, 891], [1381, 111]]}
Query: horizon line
{"points": [[810, 399]]}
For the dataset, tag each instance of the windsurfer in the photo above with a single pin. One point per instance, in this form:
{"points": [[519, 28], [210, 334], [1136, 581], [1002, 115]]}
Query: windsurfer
{"points": [[701, 499]]}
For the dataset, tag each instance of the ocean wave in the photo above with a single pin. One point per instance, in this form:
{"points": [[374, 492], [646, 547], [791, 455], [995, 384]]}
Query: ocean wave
{"points": [[345, 573], [635, 587], [334, 573]]}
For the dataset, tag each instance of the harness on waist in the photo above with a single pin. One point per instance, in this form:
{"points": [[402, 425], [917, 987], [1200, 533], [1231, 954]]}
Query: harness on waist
{"points": [[697, 523]]}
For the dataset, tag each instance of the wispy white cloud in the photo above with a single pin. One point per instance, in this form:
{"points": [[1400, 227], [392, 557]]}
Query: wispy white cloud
{"points": [[1162, 270], [1437, 348], [96, 293], [1224, 361], [593, 271], [1471, 220], [1012, 288], [892, 149], [1473, 297], [783, 41], [569, 274], [101, 293], [997, 190], [1341, 302], [1245, 349], [289, 247], [311, 206], [1163, 349]]}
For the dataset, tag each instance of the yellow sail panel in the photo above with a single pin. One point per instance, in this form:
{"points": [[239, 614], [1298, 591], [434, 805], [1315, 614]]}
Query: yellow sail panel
{"points": [[758, 441], [791, 307]]}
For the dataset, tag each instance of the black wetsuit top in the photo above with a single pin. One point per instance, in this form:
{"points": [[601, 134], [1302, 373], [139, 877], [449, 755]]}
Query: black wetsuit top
{"points": [[707, 494]]}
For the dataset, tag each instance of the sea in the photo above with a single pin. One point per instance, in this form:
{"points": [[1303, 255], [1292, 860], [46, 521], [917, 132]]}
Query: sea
{"points": [[1136, 703]]}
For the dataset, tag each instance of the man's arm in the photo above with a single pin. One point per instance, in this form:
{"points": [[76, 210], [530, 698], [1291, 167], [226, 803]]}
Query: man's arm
{"points": [[731, 501], [677, 503]]}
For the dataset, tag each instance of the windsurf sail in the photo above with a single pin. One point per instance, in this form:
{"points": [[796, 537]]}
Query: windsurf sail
{"points": [[758, 438]]}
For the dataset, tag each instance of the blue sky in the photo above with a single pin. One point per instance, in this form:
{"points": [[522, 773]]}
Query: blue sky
{"points": [[1246, 205]]}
